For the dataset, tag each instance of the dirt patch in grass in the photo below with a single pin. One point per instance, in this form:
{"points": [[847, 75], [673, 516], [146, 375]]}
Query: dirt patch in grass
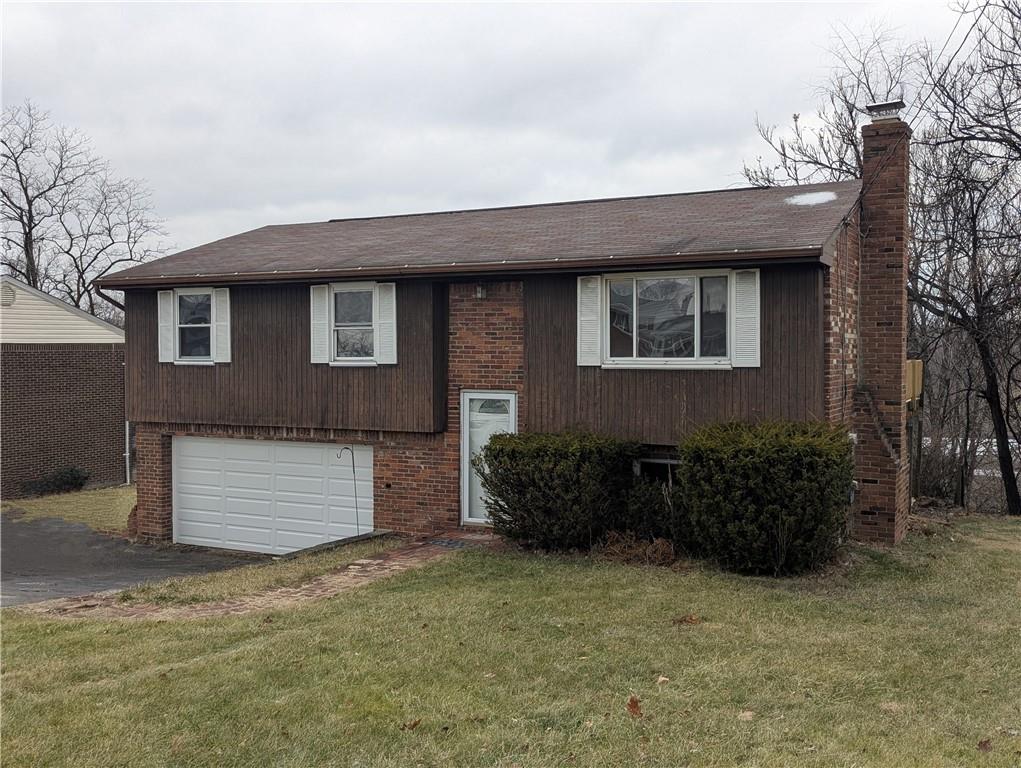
{"points": [[102, 509], [258, 577]]}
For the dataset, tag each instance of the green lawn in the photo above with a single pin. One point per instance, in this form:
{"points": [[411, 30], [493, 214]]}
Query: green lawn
{"points": [[105, 509], [904, 658]]}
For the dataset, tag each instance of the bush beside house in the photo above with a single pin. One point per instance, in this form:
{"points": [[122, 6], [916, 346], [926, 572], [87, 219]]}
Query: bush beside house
{"points": [[765, 498], [556, 491]]}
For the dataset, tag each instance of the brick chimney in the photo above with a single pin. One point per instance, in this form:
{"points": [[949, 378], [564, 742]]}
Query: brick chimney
{"points": [[880, 416]]}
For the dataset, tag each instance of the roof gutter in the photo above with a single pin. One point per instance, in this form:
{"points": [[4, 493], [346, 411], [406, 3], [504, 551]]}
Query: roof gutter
{"points": [[475, 269]]}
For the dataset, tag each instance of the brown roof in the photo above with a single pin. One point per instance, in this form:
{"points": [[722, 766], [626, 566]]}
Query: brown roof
{"points": [[732, 225]]}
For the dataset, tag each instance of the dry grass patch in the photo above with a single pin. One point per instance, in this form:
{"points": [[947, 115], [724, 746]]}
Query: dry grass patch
{"points": [[103, 509], [258, 577]]}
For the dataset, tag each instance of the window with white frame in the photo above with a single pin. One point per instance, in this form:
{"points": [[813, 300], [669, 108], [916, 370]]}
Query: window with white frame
{"points": [[353, 322], [667, 317], [194, 324]]}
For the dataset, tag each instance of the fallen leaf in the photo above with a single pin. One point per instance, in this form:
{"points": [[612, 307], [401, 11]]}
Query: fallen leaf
{"points": [[662, 679], [746, 714], [688, 618], [985, 746], [412, 725], [634, 706]]}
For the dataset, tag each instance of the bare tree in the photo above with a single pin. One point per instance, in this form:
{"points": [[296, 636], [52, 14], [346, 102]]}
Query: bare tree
{"points": [[65, 219], [968, 272], [868, 68], [965, 264], [980, 101]]}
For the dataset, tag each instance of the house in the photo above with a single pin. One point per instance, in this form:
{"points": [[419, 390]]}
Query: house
{"points": [[62, 391], [300, 383]]}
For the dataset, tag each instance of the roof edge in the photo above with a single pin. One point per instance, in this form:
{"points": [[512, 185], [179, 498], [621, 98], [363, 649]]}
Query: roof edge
{"points": [[62, 304], [505, 266]]}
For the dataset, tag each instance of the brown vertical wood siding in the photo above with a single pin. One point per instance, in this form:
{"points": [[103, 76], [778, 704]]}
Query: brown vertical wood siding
{"points": [[657, 407], [270, 381]]}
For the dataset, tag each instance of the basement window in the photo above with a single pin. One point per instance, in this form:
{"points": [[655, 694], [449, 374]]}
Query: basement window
{"points": [[659, 470]]}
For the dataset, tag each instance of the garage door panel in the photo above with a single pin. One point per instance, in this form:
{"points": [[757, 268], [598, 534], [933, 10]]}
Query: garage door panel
{"points": [[200, 477], [236, 505], [245, 450], [198, 502], [247, 481], [296, 512], [209, 533], [288, 540], [300, 484], [292, 455]]}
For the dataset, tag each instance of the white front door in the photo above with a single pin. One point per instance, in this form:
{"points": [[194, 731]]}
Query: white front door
{"points": [[483, 414]]}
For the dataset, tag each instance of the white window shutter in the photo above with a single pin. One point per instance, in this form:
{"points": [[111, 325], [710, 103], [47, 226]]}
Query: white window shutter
{"points": [[165, 311], [746, 319], [386, 324], [320, 301], [590, 301], [221, 323]]}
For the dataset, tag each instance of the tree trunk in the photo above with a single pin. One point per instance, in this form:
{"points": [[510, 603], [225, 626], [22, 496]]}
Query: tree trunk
{"points": [[1003, 453]]}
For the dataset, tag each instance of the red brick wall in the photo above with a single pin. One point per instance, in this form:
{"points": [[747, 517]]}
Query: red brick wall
{"points": [[62, 405], [879, 416], [416, 479], [840, 331]]}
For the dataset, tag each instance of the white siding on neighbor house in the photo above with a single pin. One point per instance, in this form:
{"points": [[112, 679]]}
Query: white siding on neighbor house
{"points": [[36, 319]]}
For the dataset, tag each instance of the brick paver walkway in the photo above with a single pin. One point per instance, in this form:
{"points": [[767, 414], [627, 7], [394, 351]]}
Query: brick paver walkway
{"points": [[413, 555]]}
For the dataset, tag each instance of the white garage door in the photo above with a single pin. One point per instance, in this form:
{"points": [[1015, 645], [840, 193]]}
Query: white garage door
{"points": [[269, 496]]}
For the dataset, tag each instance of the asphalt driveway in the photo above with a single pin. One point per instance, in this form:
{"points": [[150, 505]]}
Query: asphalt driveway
{"points": [[49, 557]]}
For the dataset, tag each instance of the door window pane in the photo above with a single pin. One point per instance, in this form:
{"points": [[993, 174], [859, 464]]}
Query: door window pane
{"points": [[352, 308], [666, 317], [353, 342], [714, 317], [194, 309], [621, 318], [194, 341]]}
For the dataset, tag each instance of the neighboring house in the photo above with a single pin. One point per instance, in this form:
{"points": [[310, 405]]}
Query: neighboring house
{"points": [[62, 387], [306, 382]]}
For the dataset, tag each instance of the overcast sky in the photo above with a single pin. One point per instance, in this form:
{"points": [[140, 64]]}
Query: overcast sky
{"points": [[243, 115]]}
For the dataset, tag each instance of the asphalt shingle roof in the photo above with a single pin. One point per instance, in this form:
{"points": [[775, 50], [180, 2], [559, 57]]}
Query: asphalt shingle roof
{"points": [[740, 221]]}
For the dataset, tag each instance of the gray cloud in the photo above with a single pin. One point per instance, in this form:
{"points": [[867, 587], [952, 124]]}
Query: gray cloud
{"points": [[244, 115]]}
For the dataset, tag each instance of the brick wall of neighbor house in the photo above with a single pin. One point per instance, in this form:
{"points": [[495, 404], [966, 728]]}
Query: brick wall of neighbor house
{"points": [[416, 478], [879, 417], [61, 405]]}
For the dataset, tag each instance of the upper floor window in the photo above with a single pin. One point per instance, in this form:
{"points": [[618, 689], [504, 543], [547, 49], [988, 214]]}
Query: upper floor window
{"points": [[353, 326], [692, 319], [354, 323], [674, 317], [194, 324]]}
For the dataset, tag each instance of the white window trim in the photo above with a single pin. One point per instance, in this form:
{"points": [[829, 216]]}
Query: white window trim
{"points": [[658, 363], [366, 362], [178, 360]]}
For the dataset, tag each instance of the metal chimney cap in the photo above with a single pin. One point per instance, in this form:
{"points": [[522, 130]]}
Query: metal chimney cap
{"points": [[885, 110]]}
